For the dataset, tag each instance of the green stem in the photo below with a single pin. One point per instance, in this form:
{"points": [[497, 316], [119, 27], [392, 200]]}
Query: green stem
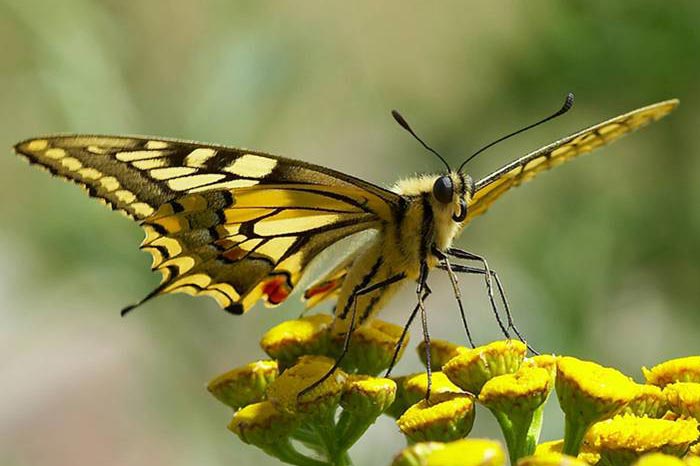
{"points": [[285, 451], [573, 436], [515, 431], [351, 427], [533, 433]]}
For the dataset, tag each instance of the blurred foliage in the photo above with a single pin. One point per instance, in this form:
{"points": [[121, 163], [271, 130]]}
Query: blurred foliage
{"points": [[600, 258]]}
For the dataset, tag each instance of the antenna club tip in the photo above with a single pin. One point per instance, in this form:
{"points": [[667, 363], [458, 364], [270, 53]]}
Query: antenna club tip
{"points": [[569, 101]]}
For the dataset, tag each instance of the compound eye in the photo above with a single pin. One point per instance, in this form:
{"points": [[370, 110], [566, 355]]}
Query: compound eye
{"points": [[443, 189]]}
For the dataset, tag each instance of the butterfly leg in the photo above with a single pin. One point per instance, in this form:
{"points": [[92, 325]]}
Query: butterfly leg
{"points": [[399, 344], [488, 277], [424, 324], [458, 294], [351, 328], [499, 286]]}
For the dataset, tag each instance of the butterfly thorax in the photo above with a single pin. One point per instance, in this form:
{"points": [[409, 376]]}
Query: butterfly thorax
{"points": [[402, 246]]}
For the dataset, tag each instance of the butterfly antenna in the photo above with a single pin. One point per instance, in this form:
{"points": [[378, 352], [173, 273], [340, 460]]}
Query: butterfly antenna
{"points": [[568, 103], [404, 124]]}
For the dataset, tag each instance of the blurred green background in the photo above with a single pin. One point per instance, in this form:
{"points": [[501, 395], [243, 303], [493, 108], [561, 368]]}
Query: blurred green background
{"points": [[601, 258]]}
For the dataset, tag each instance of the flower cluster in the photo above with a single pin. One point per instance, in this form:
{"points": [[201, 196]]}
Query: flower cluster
{"points": [[609, 419]]}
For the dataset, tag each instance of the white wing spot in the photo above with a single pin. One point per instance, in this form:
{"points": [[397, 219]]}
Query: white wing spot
{"points": [[55, 153], [141, 209], [252, 166], [156, 145], [37, 145], [89, 173], [194, 181], [149, 164], [130, 156], [110, 183], [71, 163], [96, 150], [125, 196], [198, 157], [171, 172]]}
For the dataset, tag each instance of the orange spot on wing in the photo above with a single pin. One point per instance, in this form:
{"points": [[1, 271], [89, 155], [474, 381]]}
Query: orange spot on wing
{"points": [[234, 253], [276, 289], [321, 288]]}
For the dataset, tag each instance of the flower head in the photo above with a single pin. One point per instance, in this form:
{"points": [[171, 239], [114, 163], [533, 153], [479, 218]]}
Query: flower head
{"points": [[287, 392], [659, 459], [468, 452], [262, 424], [471, 369], [368, 395], [589, 393], [523, 391], [244, 385], [372, 347], [551, 459], [291, 339], [649, 401], [441, 351], [623, 439], [446, 417], [416, 386], [684, 398], [675, 370]]}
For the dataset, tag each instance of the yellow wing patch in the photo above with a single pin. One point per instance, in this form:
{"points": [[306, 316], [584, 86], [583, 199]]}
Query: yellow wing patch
{"points": [[514, 174]]}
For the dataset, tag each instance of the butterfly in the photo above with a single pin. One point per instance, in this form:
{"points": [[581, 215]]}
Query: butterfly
{"points": [[241, 226]]}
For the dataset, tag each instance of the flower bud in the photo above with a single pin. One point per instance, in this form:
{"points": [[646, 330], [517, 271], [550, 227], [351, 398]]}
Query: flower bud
{"points": [[416, 386], [447, 417], [659, 459], [291, 339], [684, 398], [551, 459], [286, 392], [369, 396], [471, 369], [623, 439], [675, 370], [649, 401], [244, 385], [589, 393], [441, 351], [371, 347], [262, 424], [468, 452]]}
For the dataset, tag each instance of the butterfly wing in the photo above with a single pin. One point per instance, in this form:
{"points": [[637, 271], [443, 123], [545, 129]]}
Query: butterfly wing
{"points": [[490, 188], [233, 224]]}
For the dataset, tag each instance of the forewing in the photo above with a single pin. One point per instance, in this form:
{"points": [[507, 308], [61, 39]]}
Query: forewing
{"points": [[234, 224], [137, 175], [515, 173]]}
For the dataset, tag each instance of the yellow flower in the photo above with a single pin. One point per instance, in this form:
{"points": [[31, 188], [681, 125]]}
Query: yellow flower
{"points": [[471, 369], [416, 386], [516, 400], [293, 338], [551, 459], [448, 416], [371, 347], [368, 394], [684, 398], [364, 399], [545, 361], [589, 393], [623, 439], [469, 452], [441, 351], [284, 392], [262, 424], [523, 391], [659, 459], [649, 401], [556, 446], [244, 385], [675, 370]]}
